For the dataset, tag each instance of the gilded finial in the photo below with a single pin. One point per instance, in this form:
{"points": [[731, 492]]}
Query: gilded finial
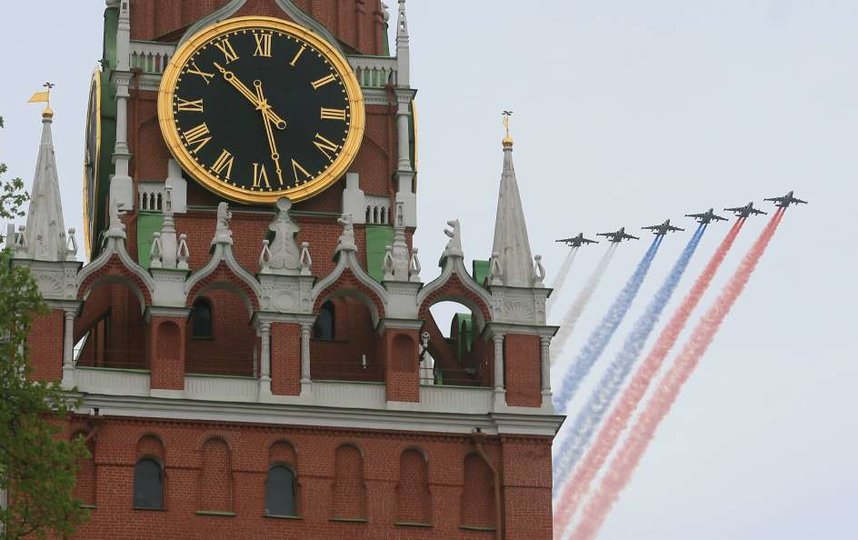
{"points": [[44, 97], [507, 140]]}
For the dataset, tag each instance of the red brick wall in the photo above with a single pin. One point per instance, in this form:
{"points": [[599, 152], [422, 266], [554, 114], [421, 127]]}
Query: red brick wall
{"points": [[230, 349], [478, 495], [215, 484], [522, 370], [167, 348], [413, 499], [312, 452], [354, 336], [402, 376], [45, 344], [286, 359], [349, 491]]}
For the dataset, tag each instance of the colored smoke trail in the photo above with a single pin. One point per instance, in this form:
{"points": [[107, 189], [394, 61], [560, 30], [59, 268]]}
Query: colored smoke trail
{"points": [[577, 308], [624, 463], [612, 381], [575, 488], [600, 337], [562, 274]]}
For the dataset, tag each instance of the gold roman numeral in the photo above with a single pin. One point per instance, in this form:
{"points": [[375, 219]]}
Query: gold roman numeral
{"points": [[225, 47], [325, 146], [194, 105], [260, 175], [333, 114], [223, 163], [263, 44], [199, 136], [194, 70], [297, 56], [323, 81], [297, 167]]}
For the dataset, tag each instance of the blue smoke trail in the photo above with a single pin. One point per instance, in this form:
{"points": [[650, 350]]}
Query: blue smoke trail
{"points": [[588, 419], [600, 337]]}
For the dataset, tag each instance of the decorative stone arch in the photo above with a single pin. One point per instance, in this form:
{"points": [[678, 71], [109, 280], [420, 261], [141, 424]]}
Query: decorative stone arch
{"points": [[115, 270], [224, 277], [453, 288], [347, 283]]}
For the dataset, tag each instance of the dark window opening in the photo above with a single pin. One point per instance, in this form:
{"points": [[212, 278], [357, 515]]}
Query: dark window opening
{"points": [[324, 326], [201, 319], [280, 491], [148, 485]]}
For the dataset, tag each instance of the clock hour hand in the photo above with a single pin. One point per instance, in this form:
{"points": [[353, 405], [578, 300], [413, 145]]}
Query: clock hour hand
{"points": [[269, 114], [265, 108]]}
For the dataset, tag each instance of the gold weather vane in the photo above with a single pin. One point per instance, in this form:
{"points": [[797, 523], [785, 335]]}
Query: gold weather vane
{"points": [[507, 140], [44, 97]]}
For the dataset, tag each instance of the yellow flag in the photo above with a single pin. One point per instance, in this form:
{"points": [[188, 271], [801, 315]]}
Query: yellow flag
{"points": [[39, 97]]}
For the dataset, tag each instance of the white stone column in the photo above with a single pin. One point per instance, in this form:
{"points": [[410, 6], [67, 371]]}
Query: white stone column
{"points": [[265, 359], [403, 146], [499, 382], [305, 356], [500, 390], [545, 358], [68, 347]]}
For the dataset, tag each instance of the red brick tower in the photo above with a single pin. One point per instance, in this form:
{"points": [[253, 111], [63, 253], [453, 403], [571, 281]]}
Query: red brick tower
{"points": [[258, 360]]}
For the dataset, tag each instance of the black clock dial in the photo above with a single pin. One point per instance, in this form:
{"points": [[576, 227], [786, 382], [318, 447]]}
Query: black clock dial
{"points": [[260, 110]]}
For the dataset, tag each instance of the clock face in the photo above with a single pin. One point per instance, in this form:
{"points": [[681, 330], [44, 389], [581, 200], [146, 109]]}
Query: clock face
{"points": [[257, 108]]}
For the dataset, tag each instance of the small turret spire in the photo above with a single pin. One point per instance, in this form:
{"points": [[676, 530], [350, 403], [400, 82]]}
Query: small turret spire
{"points": [[45, 235], [511, 245]]}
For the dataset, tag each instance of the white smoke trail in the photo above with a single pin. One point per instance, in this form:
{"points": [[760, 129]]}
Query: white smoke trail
{"points": [[562, 274], [577, 308]]}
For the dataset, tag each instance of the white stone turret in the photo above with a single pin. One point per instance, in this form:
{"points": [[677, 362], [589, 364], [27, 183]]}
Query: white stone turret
{"points": [[45, 236], [511, 245]]}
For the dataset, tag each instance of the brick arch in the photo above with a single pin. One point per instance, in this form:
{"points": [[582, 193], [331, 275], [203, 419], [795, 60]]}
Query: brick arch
{"points": [[413, 498], [222, 277], [478, 495], [151, 445], [216, 485], [283, 451], [115, 271], [349, 285], [455, 290], [348, 493], [85, 487]]}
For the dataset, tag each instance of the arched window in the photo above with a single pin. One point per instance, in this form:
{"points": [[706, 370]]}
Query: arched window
{"points": [[280, 491], [324, 326], [201, 319], [148, 485]]}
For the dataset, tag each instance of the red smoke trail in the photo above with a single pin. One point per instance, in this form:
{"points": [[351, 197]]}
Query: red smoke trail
{"points": [[630, 454], [576, 487]]}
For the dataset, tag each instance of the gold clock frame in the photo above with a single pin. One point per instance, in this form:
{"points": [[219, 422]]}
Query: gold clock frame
{"points": [[95, 84], [298, 193]]}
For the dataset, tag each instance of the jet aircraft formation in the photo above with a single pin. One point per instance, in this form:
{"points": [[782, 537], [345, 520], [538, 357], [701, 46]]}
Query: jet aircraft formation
{"points": [[662, 229]]}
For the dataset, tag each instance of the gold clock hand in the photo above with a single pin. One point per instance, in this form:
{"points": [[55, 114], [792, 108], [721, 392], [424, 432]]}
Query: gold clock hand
{"points": [[230, 77], [265, 108]]}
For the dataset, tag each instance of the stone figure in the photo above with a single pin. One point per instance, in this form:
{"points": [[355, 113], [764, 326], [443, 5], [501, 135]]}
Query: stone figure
{"points": [[285, 254]]}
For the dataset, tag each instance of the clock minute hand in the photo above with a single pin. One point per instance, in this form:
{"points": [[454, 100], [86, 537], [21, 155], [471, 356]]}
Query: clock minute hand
{"points": [[230, 77], [265, 108]]}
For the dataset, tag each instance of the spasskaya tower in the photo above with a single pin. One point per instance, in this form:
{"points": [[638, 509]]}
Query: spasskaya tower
{"points": [[251, 338]]}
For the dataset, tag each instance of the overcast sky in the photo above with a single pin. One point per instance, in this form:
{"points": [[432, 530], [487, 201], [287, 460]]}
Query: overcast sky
{"points": [[626, 113]]}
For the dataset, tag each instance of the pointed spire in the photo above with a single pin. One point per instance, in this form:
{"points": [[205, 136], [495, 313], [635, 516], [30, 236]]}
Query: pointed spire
{"points": [[511, 245], [403, 60], [45, 232]]}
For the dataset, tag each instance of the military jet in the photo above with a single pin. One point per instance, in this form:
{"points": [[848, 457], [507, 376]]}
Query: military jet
{"points": [[745, 211], [577, 241], [786, 200], [663, 229], [617, 236], [707, 216]]}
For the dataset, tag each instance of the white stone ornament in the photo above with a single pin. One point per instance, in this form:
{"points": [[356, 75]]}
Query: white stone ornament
{"points": [[182, 252], [306, 260], [454, 246], [538, 271], [284, 252], [346, 241], [223, 234]]}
